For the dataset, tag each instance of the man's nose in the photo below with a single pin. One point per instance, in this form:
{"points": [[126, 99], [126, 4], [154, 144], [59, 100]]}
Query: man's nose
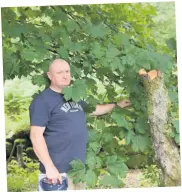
{"points": [[64, 75]]}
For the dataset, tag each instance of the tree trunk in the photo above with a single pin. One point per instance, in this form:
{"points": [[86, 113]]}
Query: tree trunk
{"points": [[166, 151]]}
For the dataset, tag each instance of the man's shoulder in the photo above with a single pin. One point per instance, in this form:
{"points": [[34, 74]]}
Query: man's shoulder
{"points": [[41, 96]]}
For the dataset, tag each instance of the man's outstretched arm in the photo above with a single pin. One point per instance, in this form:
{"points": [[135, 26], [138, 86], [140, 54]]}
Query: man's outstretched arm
{"points": [[106, 108]]}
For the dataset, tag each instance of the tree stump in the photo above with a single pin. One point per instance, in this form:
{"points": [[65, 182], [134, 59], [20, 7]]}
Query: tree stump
{"points": [[166, 151]]}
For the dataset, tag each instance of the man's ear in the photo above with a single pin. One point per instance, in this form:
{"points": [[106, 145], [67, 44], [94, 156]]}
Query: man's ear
{"points": [[49, 75]]}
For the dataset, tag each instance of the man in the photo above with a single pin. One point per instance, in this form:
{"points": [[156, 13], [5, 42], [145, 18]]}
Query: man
{"points": [[58, 128]]}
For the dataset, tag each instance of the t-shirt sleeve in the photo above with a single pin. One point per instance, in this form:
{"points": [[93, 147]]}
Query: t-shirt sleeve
{"points": [[39, 113]]}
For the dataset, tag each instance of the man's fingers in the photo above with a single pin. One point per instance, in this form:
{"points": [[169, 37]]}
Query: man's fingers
{"points": [[49, 181], [60, 179], [54, 181], [127, 103]]}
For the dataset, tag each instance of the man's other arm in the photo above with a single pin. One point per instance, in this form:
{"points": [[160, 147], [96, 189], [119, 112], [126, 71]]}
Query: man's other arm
{"points": [[106, 108], [40, 149]]}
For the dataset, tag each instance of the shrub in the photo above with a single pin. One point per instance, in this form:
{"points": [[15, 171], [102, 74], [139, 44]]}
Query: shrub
{"points": [[20, 179]]}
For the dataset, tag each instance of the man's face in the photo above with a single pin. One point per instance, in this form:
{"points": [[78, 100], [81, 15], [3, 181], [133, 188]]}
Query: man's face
{"points": [[59, 74]]}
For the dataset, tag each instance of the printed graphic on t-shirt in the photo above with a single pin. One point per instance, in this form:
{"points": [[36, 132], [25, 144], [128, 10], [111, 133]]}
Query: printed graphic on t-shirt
{"points": [[71, 107]]}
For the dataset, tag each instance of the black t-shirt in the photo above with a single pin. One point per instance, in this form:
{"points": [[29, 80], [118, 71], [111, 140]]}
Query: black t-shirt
{"points": [[66, 131]]}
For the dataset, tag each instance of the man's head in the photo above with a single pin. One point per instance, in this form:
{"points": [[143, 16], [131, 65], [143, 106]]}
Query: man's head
{"points": [[59, 74]]}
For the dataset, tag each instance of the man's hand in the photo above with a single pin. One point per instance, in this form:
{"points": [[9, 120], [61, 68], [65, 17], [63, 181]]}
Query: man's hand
{"points": [[106, 108], [53, 175], [124, 103]]}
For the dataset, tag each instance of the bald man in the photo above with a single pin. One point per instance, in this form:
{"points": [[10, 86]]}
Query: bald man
{"points": [[58, 128]]}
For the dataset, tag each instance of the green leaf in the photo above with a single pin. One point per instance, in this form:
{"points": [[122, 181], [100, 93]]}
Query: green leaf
{"points": [[110, 159], [76, 94], [141, 125], [121, 68], [11, 66], [109, 180], [45, 65], [140, 143], [118, 39], [129, 136], [112, 52], [173, 95], [29, 54], [95, 146], [99, 162], [177, 139], [90, 83], [16, 29], [91, 162], [77, 165], [115, 63], [176, 125], [93, 135], [98, 30], [71, 25], [125, 39], [120, 120], [97, 50], [75, 70], [107, 137], [100, 124], [171, 43], [79, 90], [40, 80], [118, 168], [77, 173], [122, 134], [91, 178], [86, 64], [76, 91], [67, 93], [60, 15], [63, 53]]}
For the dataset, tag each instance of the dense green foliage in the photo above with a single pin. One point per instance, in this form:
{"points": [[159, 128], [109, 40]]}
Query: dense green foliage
{"points": [[20, 179], [17, 97], [161, 26], [151, 175], [106, 45]]}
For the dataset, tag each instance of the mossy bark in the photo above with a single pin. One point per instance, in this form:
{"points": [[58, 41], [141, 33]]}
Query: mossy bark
{"points": [[166, 152]]}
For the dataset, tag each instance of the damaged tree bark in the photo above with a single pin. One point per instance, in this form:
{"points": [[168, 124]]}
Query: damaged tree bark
{"points": [[166, 152]]}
